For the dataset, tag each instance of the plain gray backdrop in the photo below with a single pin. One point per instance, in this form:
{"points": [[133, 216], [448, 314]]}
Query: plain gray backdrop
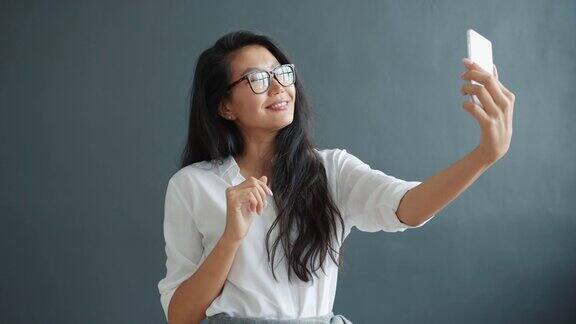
{"points": [[94, 112]]}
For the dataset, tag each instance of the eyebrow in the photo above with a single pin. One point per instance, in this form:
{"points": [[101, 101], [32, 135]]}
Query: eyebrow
{"points": [[250, 69]]}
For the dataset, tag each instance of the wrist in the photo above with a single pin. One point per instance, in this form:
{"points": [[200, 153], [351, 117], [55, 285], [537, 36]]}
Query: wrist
{"points": [[481, 157], [228, 240]]}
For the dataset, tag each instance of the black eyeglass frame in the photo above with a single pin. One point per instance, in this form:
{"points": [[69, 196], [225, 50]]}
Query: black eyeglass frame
{"points": [[269, 78]]}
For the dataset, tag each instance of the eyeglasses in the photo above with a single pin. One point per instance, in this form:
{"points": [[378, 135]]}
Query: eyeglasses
{"points": [[260, 80]]}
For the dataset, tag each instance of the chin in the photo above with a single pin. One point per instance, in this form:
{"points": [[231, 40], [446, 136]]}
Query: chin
{"points": [[278, 126]]}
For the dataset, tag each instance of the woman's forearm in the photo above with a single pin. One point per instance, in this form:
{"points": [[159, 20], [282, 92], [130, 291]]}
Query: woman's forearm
{"points": [[195, 294], [432, 195]]}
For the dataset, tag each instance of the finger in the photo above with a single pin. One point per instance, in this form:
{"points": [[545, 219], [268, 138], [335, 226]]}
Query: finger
{"points": [[491, 84], [263, 182], [469, 64], [483, 95], [248, 197], [253, 182], [477, 112], [258, 196], [505, 90], [495, 71], [261, 193], [253, 202]]}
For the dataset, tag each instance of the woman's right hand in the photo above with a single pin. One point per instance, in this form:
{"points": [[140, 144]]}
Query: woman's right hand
{"points": [[242, 202]]}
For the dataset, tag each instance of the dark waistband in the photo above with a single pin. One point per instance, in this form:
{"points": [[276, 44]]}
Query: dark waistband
{"points": [[224, 318]]}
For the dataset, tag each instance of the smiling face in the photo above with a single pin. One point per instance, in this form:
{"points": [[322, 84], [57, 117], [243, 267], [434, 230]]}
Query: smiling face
{"points": [[248, 109]]}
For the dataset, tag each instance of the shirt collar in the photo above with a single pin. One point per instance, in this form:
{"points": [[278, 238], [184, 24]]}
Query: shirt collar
{"points": [[229, 168]]}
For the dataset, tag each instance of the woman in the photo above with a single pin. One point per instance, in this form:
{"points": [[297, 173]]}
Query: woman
{"points": [[251, 182]]}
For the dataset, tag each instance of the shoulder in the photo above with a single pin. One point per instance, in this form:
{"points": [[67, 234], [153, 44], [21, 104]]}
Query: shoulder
{"points": [[334, 157], [329, 153], [336, 161], [190, 176]]}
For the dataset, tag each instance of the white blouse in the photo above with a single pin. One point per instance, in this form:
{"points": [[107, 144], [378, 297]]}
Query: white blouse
{"points": [[195, 217]]}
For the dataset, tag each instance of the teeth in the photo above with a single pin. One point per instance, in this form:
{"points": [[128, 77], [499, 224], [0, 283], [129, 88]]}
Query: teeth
{"points": [[278, 105]]}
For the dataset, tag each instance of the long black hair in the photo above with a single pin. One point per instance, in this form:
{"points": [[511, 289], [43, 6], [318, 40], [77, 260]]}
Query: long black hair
{"points": [[299, 181]]}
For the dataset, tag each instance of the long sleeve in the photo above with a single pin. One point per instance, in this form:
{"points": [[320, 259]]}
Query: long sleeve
{"points": [[369, 197], [183, 244]]}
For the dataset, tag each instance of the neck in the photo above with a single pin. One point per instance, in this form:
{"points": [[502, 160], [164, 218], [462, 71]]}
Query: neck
{"points": [[257, 155]]}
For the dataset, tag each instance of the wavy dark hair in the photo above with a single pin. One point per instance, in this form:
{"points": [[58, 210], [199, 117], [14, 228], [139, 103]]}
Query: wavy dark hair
{"points": [[299, 181]]}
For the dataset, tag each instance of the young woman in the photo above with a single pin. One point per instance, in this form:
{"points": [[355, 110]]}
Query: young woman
{"points": [[252, 184]]}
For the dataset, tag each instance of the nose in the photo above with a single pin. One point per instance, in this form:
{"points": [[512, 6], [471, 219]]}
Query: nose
{"points": [[275, 85]]}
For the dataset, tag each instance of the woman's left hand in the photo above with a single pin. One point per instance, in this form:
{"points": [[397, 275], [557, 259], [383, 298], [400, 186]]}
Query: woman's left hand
{"points": [[495, 115]]}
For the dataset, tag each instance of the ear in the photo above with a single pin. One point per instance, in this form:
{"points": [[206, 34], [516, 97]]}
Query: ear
{"points": [[225, 112]]}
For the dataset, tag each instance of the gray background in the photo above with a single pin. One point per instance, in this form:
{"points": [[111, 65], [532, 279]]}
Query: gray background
{"points": [[94, 116]]}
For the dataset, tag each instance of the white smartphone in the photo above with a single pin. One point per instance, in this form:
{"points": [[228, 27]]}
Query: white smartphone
{"points": [[479, 51]]}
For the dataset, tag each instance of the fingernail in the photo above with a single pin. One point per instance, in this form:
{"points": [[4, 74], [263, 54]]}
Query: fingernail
{"points": [[466, 60]]}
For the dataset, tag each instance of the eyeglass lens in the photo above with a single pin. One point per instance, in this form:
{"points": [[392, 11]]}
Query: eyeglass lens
{"points": [[260, 81]]}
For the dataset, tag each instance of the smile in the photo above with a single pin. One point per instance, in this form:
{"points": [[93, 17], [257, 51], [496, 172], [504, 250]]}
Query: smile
{"points": [[279, 106]]}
